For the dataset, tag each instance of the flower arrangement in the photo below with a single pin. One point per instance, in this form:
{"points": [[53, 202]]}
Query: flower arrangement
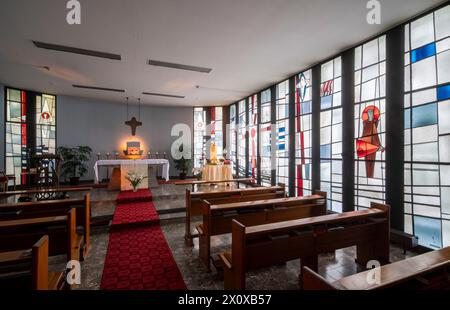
{"points": [[197, 172], [135, 179]]}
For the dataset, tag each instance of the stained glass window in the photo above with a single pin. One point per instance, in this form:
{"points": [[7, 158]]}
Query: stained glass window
{"points": [[282, 151], [303, 133], [18, 139], [253, 136], [241, 141], [331, 133], [199, 137], [16, 134], [46, 122], [370, 120], [427, 130], [266, 138], [233, 135]]}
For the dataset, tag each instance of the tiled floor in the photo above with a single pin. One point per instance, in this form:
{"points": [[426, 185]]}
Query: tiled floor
{"points": [[169, 196]]}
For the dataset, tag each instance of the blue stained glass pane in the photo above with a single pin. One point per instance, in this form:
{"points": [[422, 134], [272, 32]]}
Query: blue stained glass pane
{"points": [[444, 92], [429, 232], [306, 107], [307, 171], [282, 147], [325, 151], [423, 52], [407, 118], [425, 115], [326, 102]]}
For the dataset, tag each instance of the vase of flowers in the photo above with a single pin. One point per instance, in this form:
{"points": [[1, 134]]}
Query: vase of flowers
{"points": [[197, 172], [135, 179]]}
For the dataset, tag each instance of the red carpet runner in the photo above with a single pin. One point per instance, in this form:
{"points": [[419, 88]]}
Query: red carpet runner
{"points": [[139, 258]]}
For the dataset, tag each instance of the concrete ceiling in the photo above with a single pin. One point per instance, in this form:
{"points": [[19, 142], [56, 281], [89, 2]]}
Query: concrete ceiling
{"points": [[249, 44]]}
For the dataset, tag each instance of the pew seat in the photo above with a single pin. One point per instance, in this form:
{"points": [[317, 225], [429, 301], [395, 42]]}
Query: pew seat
{"points": [[411, 271], [194, 201], [28, 269], [217, 219], [27, 211], [266, 245], [19, 234]]}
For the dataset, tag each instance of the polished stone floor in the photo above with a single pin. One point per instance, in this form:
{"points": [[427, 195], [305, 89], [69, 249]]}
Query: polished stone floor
{"points": [[284, 277], [169, 196]]}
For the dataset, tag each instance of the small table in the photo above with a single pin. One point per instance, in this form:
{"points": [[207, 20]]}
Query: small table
{"points": [[217, 173]]}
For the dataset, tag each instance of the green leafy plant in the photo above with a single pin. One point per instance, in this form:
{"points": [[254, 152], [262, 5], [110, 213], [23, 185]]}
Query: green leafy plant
{"points": [[74, 161], [182, 164]]}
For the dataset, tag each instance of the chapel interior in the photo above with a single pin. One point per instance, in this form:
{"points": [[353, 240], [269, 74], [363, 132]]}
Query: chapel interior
{"points": [[225, 145]]}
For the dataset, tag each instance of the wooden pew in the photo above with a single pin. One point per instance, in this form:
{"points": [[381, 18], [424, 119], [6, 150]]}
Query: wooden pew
{"points": [[217, 219], [34, 192], [194, 201], [48, 208], [17, 267], [19, 234], [194, 183], [412, 272], [266, 245]]}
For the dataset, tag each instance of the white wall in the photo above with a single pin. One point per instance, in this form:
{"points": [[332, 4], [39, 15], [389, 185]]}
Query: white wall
{"points": [[100, 125]]}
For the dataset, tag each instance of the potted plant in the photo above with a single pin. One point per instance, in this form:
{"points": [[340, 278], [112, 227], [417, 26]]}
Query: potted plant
{"points": [[74, 162], [182, 164], [135, 179]]}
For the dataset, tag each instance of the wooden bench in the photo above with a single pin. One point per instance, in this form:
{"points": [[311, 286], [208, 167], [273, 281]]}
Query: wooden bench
{"points": [[194, 201], [270, 244], [48, 208], [17, 267], [45, 192], [217, 219], [424, 271], [19, 234], [196, 183]]}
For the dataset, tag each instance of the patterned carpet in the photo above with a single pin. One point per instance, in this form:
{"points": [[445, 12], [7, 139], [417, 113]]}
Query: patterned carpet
{"points": [[139, 258]]}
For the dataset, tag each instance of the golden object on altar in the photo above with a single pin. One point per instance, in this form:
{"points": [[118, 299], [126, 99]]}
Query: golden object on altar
{"points": [[213, 153], [133, 150]]}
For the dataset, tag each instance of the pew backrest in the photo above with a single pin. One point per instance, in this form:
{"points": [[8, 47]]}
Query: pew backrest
{"points": [[194, 201]]}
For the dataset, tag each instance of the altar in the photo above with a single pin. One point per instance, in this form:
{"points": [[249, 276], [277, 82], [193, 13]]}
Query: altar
{"points": [[139, 166]]}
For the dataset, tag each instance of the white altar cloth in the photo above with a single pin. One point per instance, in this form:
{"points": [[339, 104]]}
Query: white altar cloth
{"points": [[119, 162]]}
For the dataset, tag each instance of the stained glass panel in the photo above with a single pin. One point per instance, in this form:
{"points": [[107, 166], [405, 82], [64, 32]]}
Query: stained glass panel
{"points": [[265, 134], [427, 143], [282, 129], [242, 136], [331, 133], [199, 137], [303, 133], [233, 134], [253, 136], [370, 80]]}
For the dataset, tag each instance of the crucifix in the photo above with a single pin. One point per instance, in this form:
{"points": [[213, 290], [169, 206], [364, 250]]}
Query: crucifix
{"points": [[133, 122]]}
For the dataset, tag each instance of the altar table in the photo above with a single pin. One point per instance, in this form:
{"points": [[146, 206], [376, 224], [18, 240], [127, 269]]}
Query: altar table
{"points": [[133, 162], [217, 173]]}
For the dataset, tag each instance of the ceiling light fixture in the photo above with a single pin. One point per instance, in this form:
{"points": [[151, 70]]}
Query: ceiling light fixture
{"points": [[99, 88], [171, 65], [76, 50], [164, 95]]}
